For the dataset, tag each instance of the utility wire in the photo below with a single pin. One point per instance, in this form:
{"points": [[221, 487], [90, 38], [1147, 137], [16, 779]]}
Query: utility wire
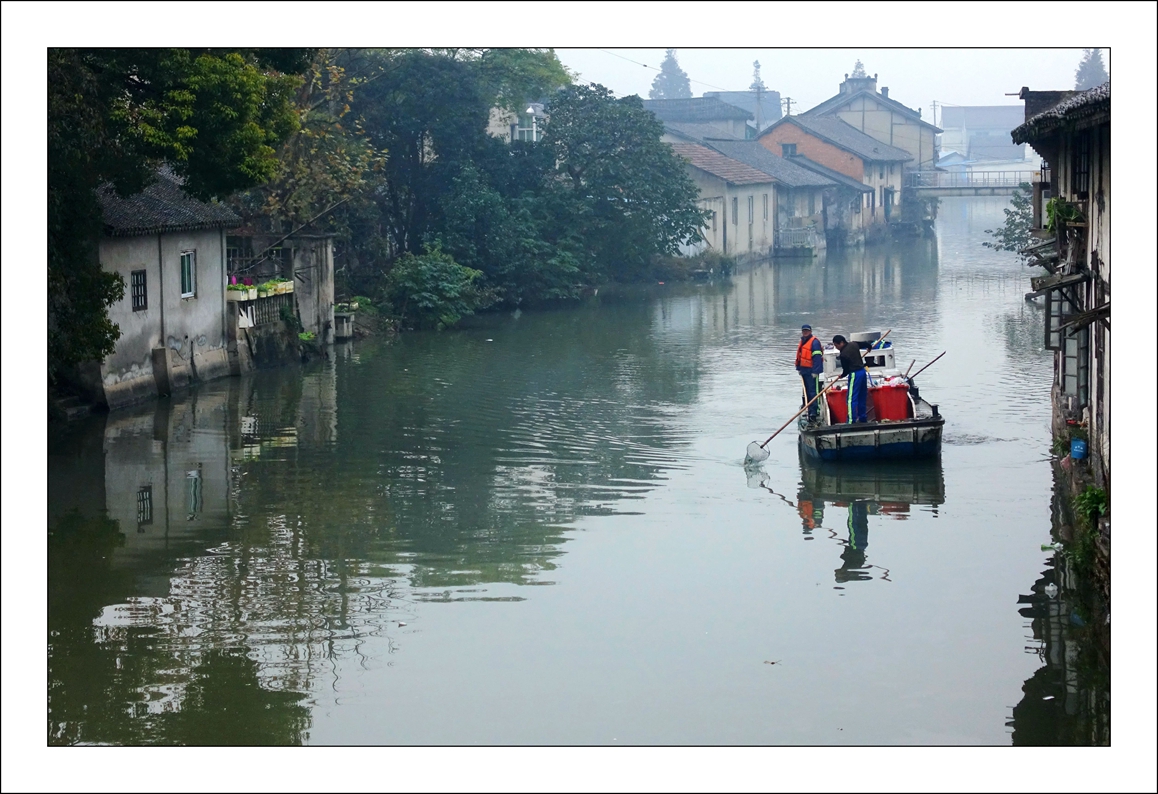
{"points": [[645, 66]]}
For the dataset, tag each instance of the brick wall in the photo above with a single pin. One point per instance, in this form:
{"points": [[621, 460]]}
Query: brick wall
{"points": [[814, 149]]}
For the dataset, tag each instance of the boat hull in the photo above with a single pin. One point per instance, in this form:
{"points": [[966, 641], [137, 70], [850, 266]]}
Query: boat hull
{"points": [[913, 438]]}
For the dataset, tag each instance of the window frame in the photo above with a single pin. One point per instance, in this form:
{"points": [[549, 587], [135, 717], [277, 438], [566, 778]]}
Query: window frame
{"points": [[765, 206], [139, 290], [735, 210], [1080, 164], [192, 280], [751, 209], [1075, 364], [788, 150]]}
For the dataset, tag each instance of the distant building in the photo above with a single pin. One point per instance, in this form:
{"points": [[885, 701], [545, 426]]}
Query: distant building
{"points": [[877, 115], [806, 193], [1071, 131], [764, 107], [703, 117], [981, 133], [840, 147], [757, 209]]}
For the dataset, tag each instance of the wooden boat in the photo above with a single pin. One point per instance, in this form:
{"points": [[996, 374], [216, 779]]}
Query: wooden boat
{"points": [[901, 423]]}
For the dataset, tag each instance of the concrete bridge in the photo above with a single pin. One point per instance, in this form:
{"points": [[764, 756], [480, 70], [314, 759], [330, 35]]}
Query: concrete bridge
{"points": [[967, 183]]}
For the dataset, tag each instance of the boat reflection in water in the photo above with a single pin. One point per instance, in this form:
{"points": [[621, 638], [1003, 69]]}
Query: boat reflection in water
{"points": [[884, 489], [889, 488]]}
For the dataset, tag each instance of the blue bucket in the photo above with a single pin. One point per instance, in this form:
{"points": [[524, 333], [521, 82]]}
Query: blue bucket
{"points": [[1077, 449]]}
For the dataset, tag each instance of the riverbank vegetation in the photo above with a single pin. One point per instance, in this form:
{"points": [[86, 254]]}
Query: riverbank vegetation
{"points": [[395, 159], [388, 150]]}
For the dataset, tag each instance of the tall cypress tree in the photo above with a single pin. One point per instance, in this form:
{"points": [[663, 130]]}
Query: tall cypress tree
{"points": [[672, 81], [1091, 71]]}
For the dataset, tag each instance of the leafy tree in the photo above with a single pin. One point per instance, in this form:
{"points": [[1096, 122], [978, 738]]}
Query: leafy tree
{"points": [[114, 115], [672, 81], [511, 77], [430, 113], [327, 160], [1091, 71], [431, 290], [1014, 234], [506, 240], [858, 69], [627, 194]]}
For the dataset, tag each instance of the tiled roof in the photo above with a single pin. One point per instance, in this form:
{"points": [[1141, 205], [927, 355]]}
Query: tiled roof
{"points": [[846, 136], [835, 176], [697, 131], [161, 207], [695, 109], [1079, 106], [754, 154], [838, 100], [716, 164]]}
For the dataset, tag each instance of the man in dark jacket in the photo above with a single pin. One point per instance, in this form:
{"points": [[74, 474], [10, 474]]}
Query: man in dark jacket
{"points": [[809, 363], [852, 365]]}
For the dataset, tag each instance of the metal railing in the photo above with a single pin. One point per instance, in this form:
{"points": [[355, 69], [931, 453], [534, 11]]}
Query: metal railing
{"points": [[953, 179], [797, 238], [268, 310]]}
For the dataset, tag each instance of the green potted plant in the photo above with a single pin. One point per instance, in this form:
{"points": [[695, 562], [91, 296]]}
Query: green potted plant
{"points": [[236, 293]]}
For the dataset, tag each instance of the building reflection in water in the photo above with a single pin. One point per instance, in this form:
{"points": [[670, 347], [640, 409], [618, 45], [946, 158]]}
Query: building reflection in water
{"points": [[1067, 700], [250, 535]]}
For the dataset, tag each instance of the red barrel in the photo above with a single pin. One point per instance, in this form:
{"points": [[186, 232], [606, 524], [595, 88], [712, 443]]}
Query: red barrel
{"points": [[837, 406], [891, 402]]}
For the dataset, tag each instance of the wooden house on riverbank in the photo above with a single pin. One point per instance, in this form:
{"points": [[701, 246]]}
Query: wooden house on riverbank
{"points": [[1071, 131]]}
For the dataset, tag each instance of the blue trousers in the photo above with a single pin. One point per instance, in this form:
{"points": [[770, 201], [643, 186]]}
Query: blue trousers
{"points": [[858, 396], [810, 380]]}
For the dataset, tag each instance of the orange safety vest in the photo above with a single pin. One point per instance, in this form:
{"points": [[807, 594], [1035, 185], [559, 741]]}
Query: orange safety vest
{"points": [[804, 352]]}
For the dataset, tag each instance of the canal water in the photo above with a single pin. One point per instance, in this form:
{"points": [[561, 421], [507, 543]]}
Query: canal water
{"points": [[537, 529]]}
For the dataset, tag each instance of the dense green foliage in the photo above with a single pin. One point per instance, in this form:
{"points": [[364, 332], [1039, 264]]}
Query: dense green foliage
{"points": [[1091, 71], [114, 115], [1014, 234], [630, 196], [431, 290], [593, 200], [672, 81]]}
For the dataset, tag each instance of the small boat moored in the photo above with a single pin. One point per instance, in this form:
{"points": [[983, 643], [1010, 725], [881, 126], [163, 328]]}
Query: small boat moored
{"points": [[901, 423]]}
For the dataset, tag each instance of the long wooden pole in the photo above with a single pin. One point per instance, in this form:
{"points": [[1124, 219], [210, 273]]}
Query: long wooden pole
{"points": [[931, 363], [822, 391]]}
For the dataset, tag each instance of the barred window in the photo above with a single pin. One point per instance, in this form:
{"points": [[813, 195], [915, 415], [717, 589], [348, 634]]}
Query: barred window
{"points": [[138, 288]]}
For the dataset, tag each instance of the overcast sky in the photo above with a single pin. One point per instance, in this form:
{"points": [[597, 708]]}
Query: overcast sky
{"points": [[809, 76]]}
